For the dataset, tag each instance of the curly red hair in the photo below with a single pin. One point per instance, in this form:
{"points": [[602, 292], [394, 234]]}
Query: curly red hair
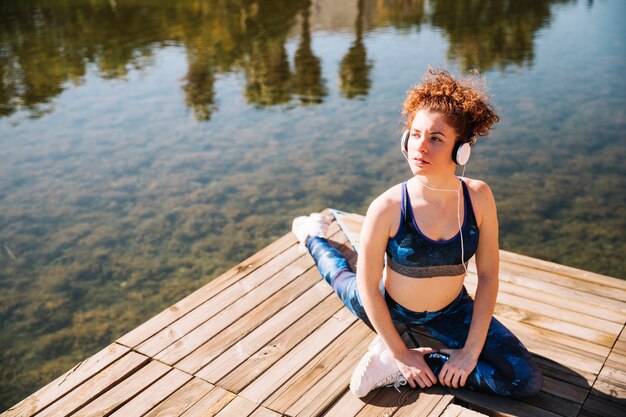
{"points": [[462, 100]]}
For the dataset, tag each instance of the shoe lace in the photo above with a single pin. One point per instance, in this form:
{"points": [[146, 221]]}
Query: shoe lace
{"points": [[394, 380]]}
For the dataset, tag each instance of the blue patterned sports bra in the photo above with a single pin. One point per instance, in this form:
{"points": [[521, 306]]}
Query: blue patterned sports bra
{"points": [[413, 254]]}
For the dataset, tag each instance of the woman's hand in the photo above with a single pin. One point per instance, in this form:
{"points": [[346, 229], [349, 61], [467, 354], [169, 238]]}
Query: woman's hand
{"points": [[414, 368], [455, 371]]}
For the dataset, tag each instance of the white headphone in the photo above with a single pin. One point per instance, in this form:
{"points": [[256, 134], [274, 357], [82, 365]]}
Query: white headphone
{"points": [[460, 153]]}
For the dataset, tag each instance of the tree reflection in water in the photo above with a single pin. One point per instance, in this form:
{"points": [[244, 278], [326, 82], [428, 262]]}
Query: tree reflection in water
{"points": [[493, 33], [354, 70], [308, 84], [46, 46]]}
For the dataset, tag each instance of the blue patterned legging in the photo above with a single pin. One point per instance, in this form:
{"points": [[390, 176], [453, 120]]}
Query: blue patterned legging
{"points": [[505, 367]]}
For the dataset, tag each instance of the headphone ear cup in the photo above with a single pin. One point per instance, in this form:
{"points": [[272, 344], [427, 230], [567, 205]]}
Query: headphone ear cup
{"points": [[461, 153], [404, 143]]}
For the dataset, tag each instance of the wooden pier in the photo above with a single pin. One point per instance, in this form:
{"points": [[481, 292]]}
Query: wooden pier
{"points": [[269, 338]]}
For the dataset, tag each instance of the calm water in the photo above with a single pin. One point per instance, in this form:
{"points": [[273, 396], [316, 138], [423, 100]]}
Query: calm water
{"points": [[146, 146]]}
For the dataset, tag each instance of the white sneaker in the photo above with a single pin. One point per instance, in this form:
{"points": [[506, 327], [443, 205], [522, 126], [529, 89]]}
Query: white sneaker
{"points": [[376, 369], [313, 225]]}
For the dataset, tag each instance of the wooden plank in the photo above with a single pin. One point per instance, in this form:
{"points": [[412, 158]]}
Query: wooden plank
{"points": [[217, 305], [568, 299], [198, 297], [201, 334], [210, 404], [454, 410], [124, 391], [602, 332], [409, 402], [353, 342], [611, 375], [254, 340], [564, 390], [614, 296], [264, 412], [347, 405], [248, 322], [620, 345], [382, 404], [182, 400], [610, 389], [537, 337], [562, 373], [66, 382], [557, 405], [218, 369], [249, 370], [281, 371], [239, 407], [96, 385], [331, 386], [416, 402], [617, 362], [597, 406], [608, 394], [500, 406], [441, 405], [569, 271], [152, 396]]}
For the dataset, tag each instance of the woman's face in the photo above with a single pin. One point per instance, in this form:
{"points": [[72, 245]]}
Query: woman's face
{"points": [[430, 144]]}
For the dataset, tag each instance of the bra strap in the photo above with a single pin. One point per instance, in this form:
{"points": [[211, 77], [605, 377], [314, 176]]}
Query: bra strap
{"points": [[467, 201], [406, 205]]}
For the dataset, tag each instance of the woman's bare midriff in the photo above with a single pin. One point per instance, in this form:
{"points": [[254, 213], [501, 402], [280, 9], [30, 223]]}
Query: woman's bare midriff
{"points": [[422, 294]]}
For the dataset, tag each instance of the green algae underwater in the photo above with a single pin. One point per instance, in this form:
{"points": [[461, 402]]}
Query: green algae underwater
{"points": [[147, 146]]}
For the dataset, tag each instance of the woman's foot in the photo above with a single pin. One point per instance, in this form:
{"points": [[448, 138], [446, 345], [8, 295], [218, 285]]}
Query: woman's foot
{"points": [[375, 369], [378, 369], [309, 226]]}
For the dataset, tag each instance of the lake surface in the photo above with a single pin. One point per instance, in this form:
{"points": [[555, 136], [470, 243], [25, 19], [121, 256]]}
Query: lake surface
{"points": [[147, 146]]}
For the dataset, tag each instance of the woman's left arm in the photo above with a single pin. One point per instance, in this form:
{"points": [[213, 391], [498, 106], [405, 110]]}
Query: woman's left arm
{"points": [[487, 265]]}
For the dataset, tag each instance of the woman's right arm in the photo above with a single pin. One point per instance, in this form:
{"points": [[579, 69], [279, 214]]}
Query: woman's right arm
{"points": [[374, 236]]}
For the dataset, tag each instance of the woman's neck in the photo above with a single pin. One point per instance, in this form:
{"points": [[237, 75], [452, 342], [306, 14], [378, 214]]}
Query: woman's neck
{"points": [[437, 188], [439, 182]]}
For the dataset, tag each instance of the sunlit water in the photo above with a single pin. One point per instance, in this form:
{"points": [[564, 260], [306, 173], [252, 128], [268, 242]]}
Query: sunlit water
{"points": [[147, 146]]}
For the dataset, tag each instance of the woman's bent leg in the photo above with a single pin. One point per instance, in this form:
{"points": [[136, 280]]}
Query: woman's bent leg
{"points": [[505, 367], [336, 271]]}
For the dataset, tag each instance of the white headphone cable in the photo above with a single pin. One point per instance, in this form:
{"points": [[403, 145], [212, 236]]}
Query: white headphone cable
{"points": [[458, 212]]}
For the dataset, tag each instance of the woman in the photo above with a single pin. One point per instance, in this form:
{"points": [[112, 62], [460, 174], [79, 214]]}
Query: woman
{"points": [[419, 236]]}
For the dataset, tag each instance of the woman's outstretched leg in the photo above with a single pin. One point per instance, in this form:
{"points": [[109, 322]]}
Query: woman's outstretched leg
{"points": [[333, 266], [336, 271]]}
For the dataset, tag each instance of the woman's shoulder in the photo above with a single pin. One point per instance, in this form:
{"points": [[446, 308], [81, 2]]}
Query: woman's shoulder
{"points": [[387, 204], [384, 210], [476, 187], [481, 196], [390, 199]]}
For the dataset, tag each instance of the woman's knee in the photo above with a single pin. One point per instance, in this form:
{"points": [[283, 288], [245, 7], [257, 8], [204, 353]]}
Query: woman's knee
{"points": [[529, 383], [512, 375], [330, 262]]}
